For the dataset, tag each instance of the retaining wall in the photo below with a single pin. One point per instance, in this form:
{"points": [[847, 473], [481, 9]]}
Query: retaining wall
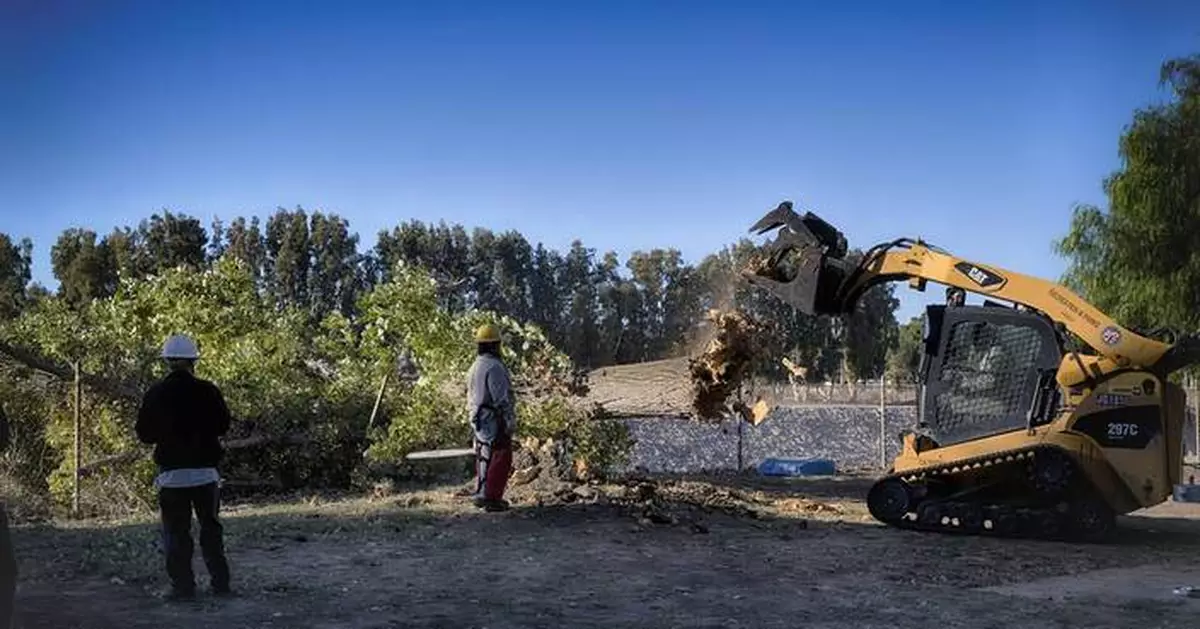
{"points": [[849, 435]]}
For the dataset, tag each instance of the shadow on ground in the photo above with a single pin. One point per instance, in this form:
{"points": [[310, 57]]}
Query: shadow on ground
{"points": [[821, 487]]}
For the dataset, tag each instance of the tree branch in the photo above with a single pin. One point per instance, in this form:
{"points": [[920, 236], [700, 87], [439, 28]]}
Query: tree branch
{"points": [[64, 372]]}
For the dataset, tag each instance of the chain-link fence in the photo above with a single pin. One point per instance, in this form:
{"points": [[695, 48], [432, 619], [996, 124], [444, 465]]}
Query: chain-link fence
{"points": [[871, 393]]}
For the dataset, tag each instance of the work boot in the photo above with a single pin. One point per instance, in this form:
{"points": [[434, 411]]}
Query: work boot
{"points": [[491, 505], [174, 595]]}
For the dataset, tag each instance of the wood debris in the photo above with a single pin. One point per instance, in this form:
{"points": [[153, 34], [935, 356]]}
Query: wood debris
{"points": [[721, 368]]}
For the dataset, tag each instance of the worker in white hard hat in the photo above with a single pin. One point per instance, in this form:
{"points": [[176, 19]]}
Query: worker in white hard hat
{"points": [[493, 418], [184, 416], [8, 562]]}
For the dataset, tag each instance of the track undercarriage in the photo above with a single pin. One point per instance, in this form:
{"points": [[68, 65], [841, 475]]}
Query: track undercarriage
{"points": [[1036, 492]]}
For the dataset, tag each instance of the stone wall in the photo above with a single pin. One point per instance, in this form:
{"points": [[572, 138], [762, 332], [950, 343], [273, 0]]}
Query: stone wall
{"points": [[849, 435]]}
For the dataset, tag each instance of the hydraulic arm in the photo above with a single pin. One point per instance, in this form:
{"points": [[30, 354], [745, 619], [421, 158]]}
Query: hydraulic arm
{"points": [[807, 266]]}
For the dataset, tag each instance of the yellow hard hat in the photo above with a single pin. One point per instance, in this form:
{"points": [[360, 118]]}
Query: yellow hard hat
{"points": [[487, 333]]}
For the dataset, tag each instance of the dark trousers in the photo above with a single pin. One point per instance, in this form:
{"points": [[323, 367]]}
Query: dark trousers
{"points": [[177, 505], [8, 572]]}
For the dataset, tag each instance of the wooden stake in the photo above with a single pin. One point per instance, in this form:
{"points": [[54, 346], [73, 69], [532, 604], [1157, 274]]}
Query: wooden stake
{"points": [[882, 422], [78, 438], [378, 399]]}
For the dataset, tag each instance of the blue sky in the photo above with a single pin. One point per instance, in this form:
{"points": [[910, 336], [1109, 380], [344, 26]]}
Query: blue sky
{"points": [[626, 124]]}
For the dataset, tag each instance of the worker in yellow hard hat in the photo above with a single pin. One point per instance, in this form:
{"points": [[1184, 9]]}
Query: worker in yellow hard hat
{"points": [[493, 418]]}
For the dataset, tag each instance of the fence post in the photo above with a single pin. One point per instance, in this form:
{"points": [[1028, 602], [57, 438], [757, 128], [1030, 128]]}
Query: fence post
{"points": [[882, 422], [1196, 424], [78, 439]]}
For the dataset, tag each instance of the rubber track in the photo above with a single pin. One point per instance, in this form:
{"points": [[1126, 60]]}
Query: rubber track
{"points": [[1007, 520]]}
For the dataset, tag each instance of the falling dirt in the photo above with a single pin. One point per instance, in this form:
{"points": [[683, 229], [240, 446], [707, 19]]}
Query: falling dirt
{"points": [[719, 371]]}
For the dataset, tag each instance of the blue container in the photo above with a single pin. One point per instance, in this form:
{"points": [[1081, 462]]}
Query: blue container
{"points": [[1187, 493], [797, 467]]}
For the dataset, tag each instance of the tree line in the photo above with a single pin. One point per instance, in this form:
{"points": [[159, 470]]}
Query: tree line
{"points": [[599, 309]]}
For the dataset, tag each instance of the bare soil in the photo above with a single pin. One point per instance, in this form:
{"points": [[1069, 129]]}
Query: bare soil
{"points": [[648, 389], [679, 552]]}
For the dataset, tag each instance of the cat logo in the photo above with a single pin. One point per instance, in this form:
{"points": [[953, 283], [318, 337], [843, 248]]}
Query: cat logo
{"points": [[980, 276]]}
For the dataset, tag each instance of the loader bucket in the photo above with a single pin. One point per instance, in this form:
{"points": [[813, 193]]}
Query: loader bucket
{"points": [[803, 265]]}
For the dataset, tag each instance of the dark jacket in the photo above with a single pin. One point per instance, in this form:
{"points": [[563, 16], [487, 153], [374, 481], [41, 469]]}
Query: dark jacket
{"points": [[5, 434], [183, 416]]}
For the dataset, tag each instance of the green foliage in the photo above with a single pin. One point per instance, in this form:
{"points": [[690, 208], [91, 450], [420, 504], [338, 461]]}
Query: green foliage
{"points": [[307, 390], [402, 315], [904, 360], [82, 266], [15, 261], [29, 460], [599, 445], [871, 332], [1137, 259], [252, 350]]}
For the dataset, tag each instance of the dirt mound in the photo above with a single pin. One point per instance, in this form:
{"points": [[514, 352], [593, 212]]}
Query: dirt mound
{"points": [[699, 387]]}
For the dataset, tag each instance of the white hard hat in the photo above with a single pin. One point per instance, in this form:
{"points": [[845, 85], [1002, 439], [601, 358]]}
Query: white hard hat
{"points": [[180, 346]]}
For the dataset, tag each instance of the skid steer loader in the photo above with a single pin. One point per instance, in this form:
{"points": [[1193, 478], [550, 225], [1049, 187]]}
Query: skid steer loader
{"points": [[1018, 434]]}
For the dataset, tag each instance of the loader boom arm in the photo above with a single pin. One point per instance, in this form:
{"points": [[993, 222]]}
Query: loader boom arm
{"points": [[1060, 304], [822, 280]]}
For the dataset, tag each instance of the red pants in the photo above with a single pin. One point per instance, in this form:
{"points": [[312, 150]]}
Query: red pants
{"points": [[493, 463]]}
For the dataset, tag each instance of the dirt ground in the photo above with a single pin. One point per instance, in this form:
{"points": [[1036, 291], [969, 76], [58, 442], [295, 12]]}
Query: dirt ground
{"points": [[728, 552]]}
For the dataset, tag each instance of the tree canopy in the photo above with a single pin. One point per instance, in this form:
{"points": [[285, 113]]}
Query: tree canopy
{"points": [[1137, 258]]}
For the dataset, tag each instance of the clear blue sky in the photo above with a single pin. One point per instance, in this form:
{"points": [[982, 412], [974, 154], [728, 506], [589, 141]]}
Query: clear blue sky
{"points": [[626, 124]]}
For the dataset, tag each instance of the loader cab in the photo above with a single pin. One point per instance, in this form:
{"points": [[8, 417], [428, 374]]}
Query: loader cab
{"points": [[985, 370]]}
